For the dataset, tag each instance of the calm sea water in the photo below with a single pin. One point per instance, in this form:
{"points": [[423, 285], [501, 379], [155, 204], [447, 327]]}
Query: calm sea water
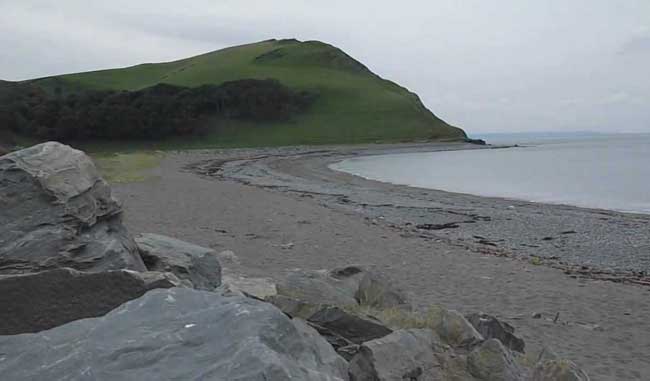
{"points": [[608, 172]]}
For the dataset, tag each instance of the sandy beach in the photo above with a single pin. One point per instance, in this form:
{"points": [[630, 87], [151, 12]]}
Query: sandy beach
{"points": [[582, 270]]}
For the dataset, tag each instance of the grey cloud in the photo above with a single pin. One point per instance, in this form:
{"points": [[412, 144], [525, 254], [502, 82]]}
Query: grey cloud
{"points": [[486, 66]]}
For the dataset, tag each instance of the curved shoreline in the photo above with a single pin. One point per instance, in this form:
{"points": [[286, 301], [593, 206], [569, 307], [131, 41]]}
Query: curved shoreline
{"points": [[340, 166], [585, 241]]}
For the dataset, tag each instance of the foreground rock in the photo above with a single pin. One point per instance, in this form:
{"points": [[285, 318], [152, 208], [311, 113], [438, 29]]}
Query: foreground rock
{"points": [[402, 355], [558, 370], [336, 324], [176, 334], [196, 266], [40, 301], [346, 286], [453, 328], [492, 328], [492, 361], [58, 212]]}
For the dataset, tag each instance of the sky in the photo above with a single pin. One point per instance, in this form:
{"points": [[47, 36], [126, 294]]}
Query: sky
{"points": [[485, 66]]}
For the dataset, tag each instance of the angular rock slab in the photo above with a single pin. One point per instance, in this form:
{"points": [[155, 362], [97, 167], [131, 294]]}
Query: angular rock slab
{"points": [[402, 355], [197, 266], [40, 301], [453, 328], [317, 287], [492, 328], [335, 322], [492, 361], [58, 212], [176, 334], [373, 288]]}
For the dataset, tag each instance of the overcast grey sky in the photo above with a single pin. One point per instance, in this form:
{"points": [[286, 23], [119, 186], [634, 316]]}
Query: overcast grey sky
{"points": [[487, 66]]}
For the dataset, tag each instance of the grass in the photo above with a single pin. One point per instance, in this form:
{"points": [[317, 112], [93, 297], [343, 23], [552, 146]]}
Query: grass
{"points": [[127, 167], [353, 105]]}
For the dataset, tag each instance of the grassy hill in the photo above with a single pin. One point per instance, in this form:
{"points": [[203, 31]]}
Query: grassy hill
{"points": [[352, 104]]}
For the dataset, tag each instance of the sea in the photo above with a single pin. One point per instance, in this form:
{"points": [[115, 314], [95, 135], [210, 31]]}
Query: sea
{"points": [[587, 170]]}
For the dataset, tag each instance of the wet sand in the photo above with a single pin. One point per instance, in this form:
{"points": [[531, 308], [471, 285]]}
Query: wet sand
{"points": [[279, 209]]}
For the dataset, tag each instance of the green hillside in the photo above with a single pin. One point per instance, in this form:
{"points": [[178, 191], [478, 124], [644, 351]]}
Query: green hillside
{"points": [[352, 105]]}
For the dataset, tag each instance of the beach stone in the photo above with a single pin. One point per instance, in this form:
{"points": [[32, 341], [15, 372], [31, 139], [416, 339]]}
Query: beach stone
{"points": [[453, 328], [317, 287], [39, 301], [492, 328], [261, 288], [294, 307], [354, 328], [176, 334], [197, 266], [402, 355], [373, 288], [492, 361], [558, 370], [57, 211], [344, 286]]}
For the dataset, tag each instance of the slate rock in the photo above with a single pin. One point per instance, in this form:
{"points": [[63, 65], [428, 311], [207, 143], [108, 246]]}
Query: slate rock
{"points": [[558, 370], [317, 287], [196, 266], [57, 212], [373, 288], [453, 328], [491, 361], [402, 355], [345, 286], [294, 307], [492, 328], [39, 301], [354, 328], [175, 334]]}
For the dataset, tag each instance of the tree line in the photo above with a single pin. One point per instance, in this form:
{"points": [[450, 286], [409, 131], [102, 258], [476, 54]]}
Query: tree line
{"points": [[156, 112]]}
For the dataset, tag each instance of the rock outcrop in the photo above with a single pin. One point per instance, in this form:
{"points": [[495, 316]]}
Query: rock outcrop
{"points": [[58, 212], [176, 334], [195, 266], [40, 301]]}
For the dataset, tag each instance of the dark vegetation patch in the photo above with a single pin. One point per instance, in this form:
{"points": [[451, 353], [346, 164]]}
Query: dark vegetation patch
{"points": [[160, 111]]}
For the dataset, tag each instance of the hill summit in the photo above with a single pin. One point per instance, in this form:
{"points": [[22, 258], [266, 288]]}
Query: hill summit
{"points": [[275, 92]]}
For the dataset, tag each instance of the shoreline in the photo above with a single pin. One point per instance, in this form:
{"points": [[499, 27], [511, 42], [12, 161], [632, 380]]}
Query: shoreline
{"points": [[280, 209], [551, 230], [501, 198]]}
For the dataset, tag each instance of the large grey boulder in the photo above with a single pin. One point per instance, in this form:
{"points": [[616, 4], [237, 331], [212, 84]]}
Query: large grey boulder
{"points": [[196, 266], [39, 301], [492, 328], [58, 212], [491, 361], [175, 334], [402, 355]]}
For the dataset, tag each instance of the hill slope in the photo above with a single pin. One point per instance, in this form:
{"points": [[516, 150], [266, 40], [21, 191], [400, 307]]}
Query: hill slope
{"points": [[352, 104]]}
